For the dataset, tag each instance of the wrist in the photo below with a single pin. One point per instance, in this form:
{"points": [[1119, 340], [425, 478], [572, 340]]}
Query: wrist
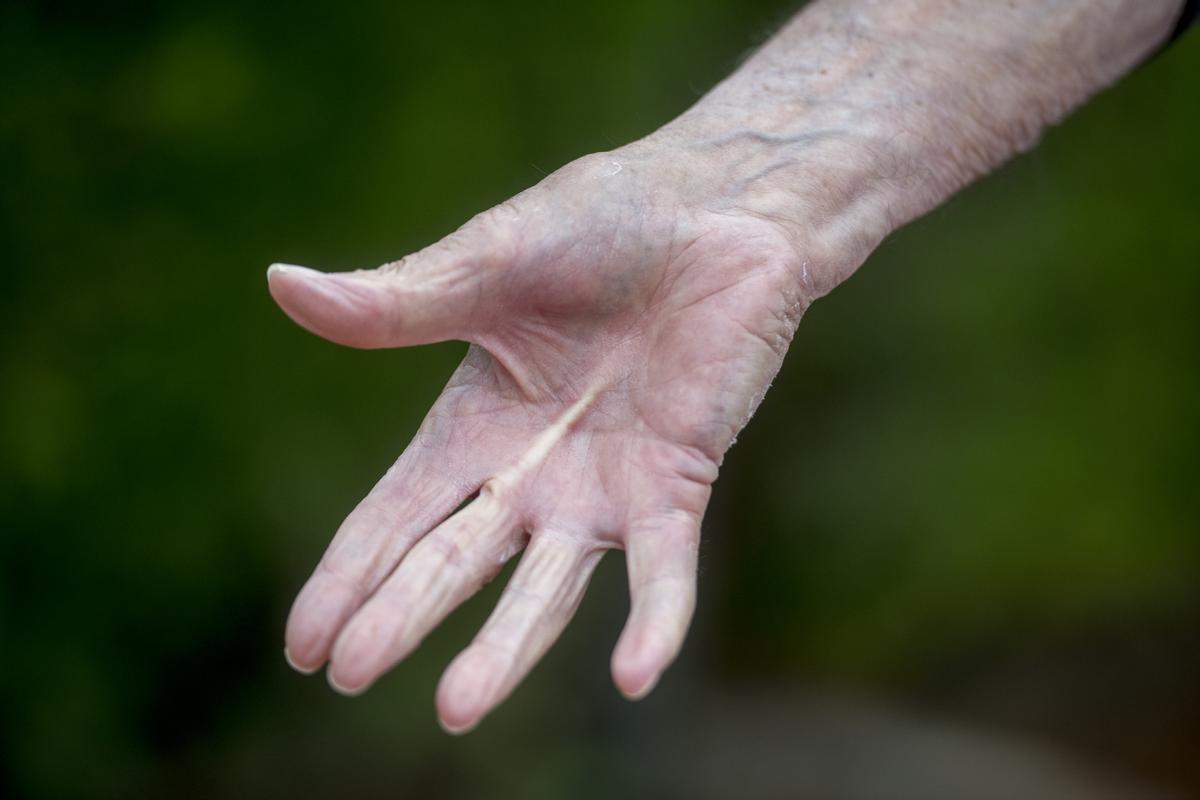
{"points": [[859, 117], [827, 184]]}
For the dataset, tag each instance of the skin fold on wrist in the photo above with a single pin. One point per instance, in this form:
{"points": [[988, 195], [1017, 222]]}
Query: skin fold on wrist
{"points": [[816, 181]]}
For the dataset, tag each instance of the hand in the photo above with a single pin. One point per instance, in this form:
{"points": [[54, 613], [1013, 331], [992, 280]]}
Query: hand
{"points": [[625, 320], [627, 314]]}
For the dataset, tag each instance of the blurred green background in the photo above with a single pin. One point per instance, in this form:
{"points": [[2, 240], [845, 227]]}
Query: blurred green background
{"points": [[967, 511]]}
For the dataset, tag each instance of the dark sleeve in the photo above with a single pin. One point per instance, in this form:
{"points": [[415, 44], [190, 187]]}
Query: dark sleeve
{"points": [[1190, 9]]}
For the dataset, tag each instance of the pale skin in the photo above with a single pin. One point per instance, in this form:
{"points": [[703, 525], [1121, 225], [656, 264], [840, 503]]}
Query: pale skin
{"points": [[627, 314]]}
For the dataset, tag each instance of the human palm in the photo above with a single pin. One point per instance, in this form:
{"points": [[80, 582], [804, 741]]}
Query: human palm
{"points": [[622, 331]]}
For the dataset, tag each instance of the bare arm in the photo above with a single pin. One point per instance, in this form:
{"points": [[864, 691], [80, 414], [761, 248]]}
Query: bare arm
{"points": [[861, 115], [627, 314]]}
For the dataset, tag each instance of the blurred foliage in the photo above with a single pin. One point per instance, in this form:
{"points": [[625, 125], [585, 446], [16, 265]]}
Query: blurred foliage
{"points": [[986, 443]]}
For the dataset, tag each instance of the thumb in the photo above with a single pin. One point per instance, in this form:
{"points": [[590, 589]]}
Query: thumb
{"points": [[431, 296]]}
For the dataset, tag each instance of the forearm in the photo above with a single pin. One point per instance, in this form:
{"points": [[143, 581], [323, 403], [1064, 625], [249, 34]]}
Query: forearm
{"points": [[861, 115]]}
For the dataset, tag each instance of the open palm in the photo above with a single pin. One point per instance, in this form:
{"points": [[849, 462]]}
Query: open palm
{"points": [[622, 332]]}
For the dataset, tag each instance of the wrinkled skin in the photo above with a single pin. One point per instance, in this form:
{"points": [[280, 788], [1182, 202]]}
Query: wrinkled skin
{"points": [[625, 320], [627, 314]]}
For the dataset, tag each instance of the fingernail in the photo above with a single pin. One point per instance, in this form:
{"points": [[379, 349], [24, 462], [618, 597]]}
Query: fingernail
{"points": [[283, 269], [457, 730], [342, 690], [292, 663], [647, 687]]}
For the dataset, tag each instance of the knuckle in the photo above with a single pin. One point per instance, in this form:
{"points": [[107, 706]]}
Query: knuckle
{"points": [[336, 565], [449, 552]]}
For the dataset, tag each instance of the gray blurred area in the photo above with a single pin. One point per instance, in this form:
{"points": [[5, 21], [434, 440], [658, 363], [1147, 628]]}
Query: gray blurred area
{"points": [[822, 746]]}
